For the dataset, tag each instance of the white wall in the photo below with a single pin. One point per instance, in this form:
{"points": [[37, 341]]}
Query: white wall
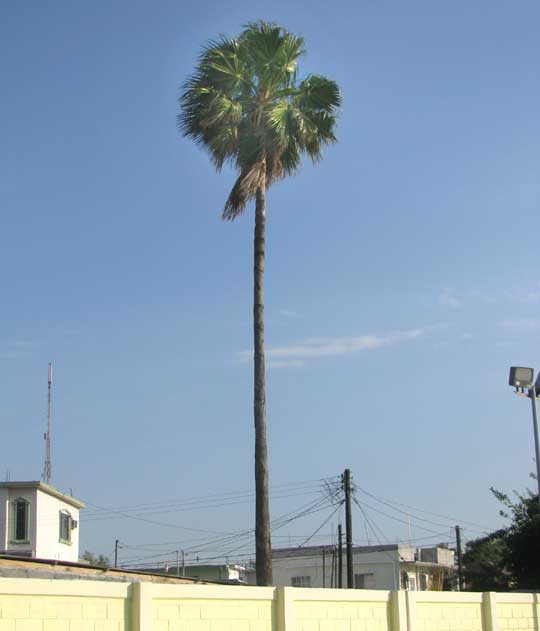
{"points": [[10, 495], [44, 525], [48, 544], [3, 518], [384, 565]]}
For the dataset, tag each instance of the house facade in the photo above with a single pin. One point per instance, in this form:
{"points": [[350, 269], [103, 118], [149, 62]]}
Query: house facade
{"points": [[390, 567], [38, 521]]}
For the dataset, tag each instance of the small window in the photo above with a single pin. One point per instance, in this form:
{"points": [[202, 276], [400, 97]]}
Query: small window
{"points": [[364, 581], [423, 585], [20, 513], [412, 584], [65, 527], [301, 581]]}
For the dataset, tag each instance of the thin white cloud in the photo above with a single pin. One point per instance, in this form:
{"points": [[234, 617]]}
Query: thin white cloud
{"points": [[288, 313], [527, 295], [520, 324], [448, 298], [294, 363], [17, 349], [335, 346]]}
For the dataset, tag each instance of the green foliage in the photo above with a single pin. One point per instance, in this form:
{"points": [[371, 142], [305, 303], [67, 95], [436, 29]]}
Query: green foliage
{"points": [[484, 565], [245, 106], [96, 560], [522, 538], [508, 558]]}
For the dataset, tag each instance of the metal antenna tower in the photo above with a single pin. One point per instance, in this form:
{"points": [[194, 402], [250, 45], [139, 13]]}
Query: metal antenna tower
{"points": [[47, 469]]}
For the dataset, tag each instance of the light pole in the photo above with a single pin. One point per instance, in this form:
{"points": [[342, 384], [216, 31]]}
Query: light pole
{"points": [[522, 379]]}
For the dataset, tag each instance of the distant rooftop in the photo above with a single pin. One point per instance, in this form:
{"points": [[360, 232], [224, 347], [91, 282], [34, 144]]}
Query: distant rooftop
{"points": [[310, 550]]}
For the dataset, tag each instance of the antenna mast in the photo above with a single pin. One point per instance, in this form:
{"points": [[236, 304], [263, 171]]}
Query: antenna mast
{"points": [[47, 468]]}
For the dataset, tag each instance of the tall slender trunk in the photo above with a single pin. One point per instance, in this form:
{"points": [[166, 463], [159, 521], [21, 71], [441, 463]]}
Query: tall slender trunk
{"points": [[263, 558]]}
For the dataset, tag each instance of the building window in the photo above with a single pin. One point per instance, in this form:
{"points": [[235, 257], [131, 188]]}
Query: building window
{"points": [[301, 581], [423, 582], [65, 527], [20, 514], [412, 584], [364, 581]]}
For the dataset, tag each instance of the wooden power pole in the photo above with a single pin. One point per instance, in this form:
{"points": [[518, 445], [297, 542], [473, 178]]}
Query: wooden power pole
{"points": [[348, 526]]}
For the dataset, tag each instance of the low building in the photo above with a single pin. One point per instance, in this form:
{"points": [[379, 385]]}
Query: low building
{"points": [[38, 521], [393, 567], [225, 573]]}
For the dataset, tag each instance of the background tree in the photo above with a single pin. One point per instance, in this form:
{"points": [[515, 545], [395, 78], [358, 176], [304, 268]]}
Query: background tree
{"points": [[96, 560], [484, 563], [245, 106], [522, 551], [508, 558]]}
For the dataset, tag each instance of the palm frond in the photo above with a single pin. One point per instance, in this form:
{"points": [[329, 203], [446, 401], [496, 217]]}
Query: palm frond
{"points": [[317, 93], [244, 106], [244, 189]]}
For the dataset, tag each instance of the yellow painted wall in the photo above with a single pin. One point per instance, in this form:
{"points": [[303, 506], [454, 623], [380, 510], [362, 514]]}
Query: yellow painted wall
{"points": [[57, 605], [83, 605], [513, 613], [354, 610]]}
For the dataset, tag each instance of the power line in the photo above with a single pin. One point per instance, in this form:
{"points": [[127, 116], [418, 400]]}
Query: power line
{"points": [[277, 491], [451, 519], [320, 527], [397, 518]]}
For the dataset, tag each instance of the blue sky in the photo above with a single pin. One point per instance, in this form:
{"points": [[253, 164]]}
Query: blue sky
{"points": [[400, 275]]}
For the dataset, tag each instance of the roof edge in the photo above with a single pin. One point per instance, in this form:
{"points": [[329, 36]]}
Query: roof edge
{"points": [[45, 488]]}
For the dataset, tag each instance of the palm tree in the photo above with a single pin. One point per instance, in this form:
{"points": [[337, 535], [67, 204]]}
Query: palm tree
{"points": [[245, 106]]}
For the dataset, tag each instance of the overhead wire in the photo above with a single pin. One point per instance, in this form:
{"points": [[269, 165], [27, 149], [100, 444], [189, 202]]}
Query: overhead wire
{"points": [[393, 504]]}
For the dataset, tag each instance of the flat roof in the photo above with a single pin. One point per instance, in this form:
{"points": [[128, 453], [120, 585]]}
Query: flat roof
{"points": [[311, 550], [45, 488]]}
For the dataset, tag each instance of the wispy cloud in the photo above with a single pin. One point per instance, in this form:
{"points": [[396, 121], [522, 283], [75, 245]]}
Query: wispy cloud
{"points": [[313, 348], [522, 295], [448, 298], [520, 324], [17, 349], [288, 313], [293, 363]]}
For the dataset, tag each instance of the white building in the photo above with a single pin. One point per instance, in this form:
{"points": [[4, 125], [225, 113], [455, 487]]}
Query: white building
{"points": [[38, 521], [396, 566]]}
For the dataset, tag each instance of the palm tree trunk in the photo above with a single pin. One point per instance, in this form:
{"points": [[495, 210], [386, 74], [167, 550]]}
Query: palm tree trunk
{"points": [[263, 557]]}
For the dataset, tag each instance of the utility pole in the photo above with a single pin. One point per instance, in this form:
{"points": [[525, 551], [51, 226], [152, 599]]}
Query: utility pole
{"points": [[183, 563], [459, 561], [348, 526], [534, 394], [323, 569], [177, 563], [47, 469], [340, 557], [116, 542]]}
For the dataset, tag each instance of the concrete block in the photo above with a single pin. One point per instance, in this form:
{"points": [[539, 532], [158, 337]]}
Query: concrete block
{"points": [[28, 625], [190, 612], [94, 609], [69, 610], [117, 610], [106, 625], [43, 608], [81, 625]]}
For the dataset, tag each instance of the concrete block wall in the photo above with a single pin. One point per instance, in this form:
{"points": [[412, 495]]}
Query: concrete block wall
{"points": [[85, 605], [28, 604], [518, 611]]}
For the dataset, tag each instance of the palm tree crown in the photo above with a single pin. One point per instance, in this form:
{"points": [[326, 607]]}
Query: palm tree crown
{"points": [[245, 106]]}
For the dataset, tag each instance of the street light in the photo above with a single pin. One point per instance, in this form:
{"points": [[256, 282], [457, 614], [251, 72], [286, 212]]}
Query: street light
{"points": [[522, 379]]}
